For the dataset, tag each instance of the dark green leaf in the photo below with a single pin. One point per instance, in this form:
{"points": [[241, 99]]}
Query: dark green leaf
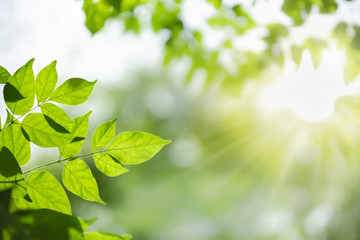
{"points": [[56, 113], [10, 172]]}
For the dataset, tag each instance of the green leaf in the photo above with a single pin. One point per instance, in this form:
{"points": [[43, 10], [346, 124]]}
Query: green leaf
{"points": [[95, 235], [296, 53], [78, 129], [45, 192], [103, 135], [10, 118], [315, 48], [4, 75], [56, 113], [135, 147], [108, 165], [14, 139], [78, 179], [73, 91], [23, 81], [42, 134], [46, 81], [215, 3], [10, 172], [96, 14]]}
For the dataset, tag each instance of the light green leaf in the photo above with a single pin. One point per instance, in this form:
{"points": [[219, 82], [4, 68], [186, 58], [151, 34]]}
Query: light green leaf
{"points": [[315, 48], [96, 14], [215, 3], [108, 165], [135, 147], [23, 84], [78, 129], [95, 235], [78, 179], [103, 135], [10, 172], [296, 53], [72, 92], [4, 75], [13, 138], [46, 81], [10, 118], [42, 134], [56, 113], [45, 192]]}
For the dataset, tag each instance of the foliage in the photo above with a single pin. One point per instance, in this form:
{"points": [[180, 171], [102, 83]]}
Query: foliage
{"points": [[185, 42], [34, 205]]}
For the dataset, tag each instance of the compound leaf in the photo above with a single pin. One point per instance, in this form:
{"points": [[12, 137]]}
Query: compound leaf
{"points": [[42, 134], [46, 81], [108, 165], [78, 179], [135, 147], [103, 135], [19, 91], [73, 91]]}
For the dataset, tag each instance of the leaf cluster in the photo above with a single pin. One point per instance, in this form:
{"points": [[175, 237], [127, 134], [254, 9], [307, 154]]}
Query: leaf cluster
{"points": [[38, 195]]}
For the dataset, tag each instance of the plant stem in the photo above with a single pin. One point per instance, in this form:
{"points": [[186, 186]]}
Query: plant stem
{"points": [[59, 161]]}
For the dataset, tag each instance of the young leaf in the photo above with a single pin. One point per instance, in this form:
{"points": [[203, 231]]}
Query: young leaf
{"points": [[103, 135], [78, 179], [13, 138], [56, 113], [108, 165], [4, 75], [78, 129], [24, 83], [95, 235], [72, 92], [135, 147], [10, 118], [46, 193], [42, 134], [46, 81]]}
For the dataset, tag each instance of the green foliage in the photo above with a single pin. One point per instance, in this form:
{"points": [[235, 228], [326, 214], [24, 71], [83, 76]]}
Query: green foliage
{"points": [[39, 201]]}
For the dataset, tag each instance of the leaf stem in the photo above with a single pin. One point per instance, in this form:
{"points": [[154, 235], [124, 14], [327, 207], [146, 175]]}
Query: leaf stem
{"points": [[59, 161]]}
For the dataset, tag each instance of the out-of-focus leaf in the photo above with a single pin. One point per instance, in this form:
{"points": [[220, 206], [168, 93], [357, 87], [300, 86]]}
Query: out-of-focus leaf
{"points": [[14, 139], [296, 53], [45, 192], [78, 179], [97, 12], [356, 40], [108, 165], [315, 48], [19, 91], [103, 135], [340, 33], [215, 3], [105, 236], [46, 81], [79, 129], [352, 70], [73, 91], [4, 75], [42, 134], [135, 147]]}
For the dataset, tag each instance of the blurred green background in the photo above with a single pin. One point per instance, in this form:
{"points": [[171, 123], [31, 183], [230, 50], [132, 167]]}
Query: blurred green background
{"points": [[199, 76]]}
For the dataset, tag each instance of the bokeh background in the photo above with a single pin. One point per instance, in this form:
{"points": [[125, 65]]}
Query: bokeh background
{"points": [[265, 144]]}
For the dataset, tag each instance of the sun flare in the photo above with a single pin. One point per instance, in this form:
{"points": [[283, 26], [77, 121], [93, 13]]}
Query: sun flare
{"points": [[307, 92]]}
